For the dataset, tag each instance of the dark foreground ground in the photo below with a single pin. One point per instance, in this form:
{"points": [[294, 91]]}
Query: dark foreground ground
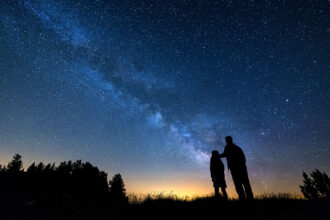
{"points": [[207, 208]]}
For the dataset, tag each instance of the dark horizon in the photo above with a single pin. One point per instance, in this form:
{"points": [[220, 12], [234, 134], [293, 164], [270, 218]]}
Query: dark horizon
{"points": [[148, 89]]}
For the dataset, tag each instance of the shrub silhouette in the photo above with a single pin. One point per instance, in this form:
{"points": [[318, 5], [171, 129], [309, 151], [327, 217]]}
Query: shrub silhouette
{"points": [[317, 186]]}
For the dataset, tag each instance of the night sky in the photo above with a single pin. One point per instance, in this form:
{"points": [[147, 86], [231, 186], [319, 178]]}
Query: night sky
{"points": [[149, 88]]}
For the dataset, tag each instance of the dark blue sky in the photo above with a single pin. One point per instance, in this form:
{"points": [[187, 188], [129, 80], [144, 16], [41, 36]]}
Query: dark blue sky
{"points": [[149, 88]]}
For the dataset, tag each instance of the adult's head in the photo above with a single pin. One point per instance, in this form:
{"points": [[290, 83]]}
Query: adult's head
{"points": [[215, 153], [229, 140]]}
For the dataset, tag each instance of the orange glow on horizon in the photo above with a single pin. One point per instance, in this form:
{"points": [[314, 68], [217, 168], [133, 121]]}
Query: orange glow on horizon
{"points": [[191, 188]]}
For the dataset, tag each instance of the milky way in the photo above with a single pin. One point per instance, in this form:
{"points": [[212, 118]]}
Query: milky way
{"points": [[149, 88]]}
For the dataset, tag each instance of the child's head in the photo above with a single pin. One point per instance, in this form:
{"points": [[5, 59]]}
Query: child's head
{"points": [[215, 153]]}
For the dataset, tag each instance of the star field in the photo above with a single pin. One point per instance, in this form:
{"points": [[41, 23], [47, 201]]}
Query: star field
{"points": [[150, 88]]}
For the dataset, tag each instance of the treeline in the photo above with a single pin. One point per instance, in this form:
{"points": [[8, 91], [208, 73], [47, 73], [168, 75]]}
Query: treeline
{"points": [[70, 184]]}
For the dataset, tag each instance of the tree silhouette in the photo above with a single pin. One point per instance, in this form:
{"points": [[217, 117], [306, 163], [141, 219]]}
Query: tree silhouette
{"points": [[117, 188], [317, 186], [16, 165], [70, 184]]}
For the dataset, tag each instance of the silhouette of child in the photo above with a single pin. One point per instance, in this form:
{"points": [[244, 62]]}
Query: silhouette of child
{"points": [[218, 175]]}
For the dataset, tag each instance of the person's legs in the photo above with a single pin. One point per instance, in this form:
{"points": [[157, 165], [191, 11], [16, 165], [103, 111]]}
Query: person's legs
{"points": [[247, 186], [216, 191], [238, 185], [224, 192]]}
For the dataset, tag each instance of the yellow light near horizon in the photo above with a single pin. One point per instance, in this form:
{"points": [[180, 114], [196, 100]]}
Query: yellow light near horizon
{"points": [[194, 187], [187, 188]]}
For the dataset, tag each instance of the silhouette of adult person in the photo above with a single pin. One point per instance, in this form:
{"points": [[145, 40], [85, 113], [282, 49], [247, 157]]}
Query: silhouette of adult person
{"points": [[218, 175], [237, 165]]}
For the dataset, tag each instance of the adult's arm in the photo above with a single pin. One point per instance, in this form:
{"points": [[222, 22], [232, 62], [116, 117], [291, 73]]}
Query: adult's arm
{"points": [[224, 154]]}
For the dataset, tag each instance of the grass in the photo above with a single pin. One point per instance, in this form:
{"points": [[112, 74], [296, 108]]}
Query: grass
{"points": [[170, 206], [265, 206]]}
